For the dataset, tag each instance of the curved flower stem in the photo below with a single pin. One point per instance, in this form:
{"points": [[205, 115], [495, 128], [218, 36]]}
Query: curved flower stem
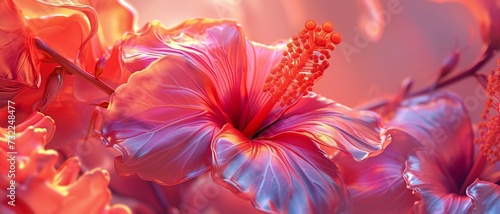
{"points": [[486, 56], [71, 67]]}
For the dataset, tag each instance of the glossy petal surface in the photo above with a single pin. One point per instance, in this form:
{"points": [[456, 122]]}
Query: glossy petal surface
{"points": [[331, 124], [285, 174], [434, 184], [486, 196], [165, 125], [442, 124]]}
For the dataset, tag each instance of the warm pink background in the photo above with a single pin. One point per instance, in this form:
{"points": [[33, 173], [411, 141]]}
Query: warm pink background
{"points": [[414, 42]]}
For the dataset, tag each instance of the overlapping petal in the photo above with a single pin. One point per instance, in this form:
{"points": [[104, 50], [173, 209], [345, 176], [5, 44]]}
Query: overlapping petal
{"points": [[442, 124], [435, 185], [215, 47], [486, 196], [162, 121], [19, 61], [380, 177], [418, 122], [360, 133], [286, 174]]}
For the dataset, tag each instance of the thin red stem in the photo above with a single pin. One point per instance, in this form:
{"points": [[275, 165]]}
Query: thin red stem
{"points": [[72, 68], [486, 56]]}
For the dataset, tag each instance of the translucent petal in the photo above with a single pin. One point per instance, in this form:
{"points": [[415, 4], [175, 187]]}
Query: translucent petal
{"points": [[438, 189], [380, 177], [215, 47], [283, 174], [441, 123], [162, 122], [359, 133], [486, 196]]}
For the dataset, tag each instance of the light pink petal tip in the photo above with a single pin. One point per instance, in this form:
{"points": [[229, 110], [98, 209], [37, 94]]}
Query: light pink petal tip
{"points": [[359, 133], [162, 122], [287, 173]]}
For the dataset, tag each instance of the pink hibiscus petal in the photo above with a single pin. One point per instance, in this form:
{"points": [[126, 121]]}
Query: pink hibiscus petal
{"points": [[441, 123], [359, 133], [486, 196], [434, 184], [286, 173], [380, 177], [162, 121], [216, 47]]}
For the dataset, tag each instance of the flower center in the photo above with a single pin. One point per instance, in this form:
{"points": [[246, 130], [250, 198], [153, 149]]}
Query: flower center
{"points": [[302, 65]]}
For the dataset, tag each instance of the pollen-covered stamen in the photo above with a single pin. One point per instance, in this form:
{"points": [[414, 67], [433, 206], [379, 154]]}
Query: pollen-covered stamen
{"points": [[302, 65], [489, 129]]}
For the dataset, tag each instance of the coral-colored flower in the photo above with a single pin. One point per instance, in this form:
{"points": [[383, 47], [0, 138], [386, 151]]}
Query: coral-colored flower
{"points": [[449, 175], [61, 26], [487, 14], [38, 187], [198, 105], [416, 123], [82, 39]]}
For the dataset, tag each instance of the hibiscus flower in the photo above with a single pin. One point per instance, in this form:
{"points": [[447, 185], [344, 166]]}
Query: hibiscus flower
{"points": [[418, 122], [205, 98], [454, 176]]}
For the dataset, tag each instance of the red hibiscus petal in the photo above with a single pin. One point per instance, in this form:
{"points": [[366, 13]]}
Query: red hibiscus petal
{"points": [[216, 47], [261, 60], [486, 196], [441, 123], [359, 133], [162, 121], [438, 189], [286, 173]]}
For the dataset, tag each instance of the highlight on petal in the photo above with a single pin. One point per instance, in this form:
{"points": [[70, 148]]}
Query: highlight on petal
{"points": [[39, 187], [282, 174], [359, 133], [162, 122], [485, 195], [435, 184]]}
